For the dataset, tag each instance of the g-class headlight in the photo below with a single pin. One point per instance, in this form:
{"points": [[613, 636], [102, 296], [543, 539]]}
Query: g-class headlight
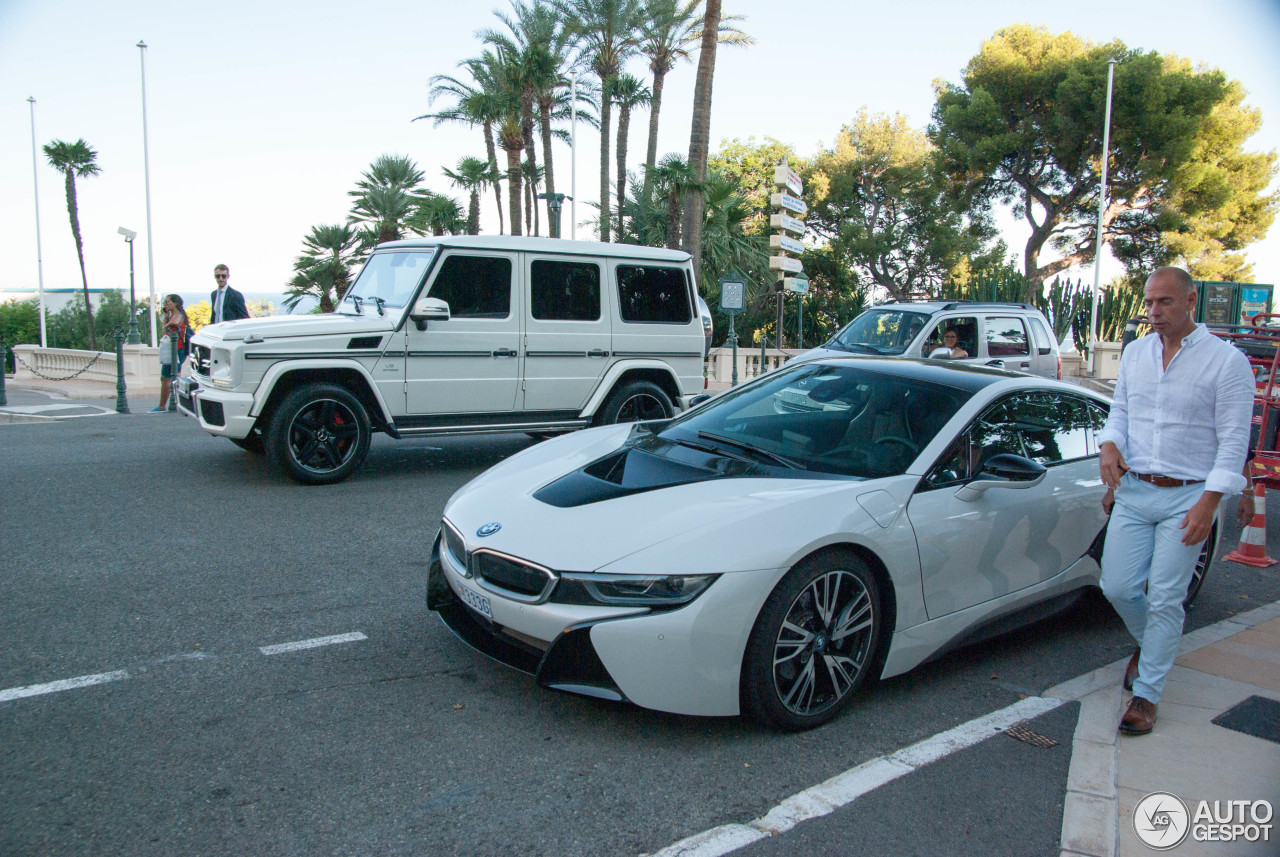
{"points": [[628, 590], [220, 368]]}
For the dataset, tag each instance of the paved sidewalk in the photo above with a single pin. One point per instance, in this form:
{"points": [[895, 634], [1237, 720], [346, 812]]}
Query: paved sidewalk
{"points": [[40, 401], [1187, 755]]}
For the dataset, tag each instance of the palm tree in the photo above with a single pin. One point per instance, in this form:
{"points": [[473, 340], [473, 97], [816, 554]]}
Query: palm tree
{"points": [[76, 159], [473, 176], [382, 211], [669, 30], [476, 105], [699, 135], [677, 181], [606, 32], [437, 214], [325, 265], [389, 171], [533, 176], [628, 92]]}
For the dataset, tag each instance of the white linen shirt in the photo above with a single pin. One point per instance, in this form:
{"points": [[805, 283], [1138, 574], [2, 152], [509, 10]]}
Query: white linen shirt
{"points": [[1189, 421]]}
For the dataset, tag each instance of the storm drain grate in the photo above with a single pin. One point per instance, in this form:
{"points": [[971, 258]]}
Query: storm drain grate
{"points": [[1035, 739]]}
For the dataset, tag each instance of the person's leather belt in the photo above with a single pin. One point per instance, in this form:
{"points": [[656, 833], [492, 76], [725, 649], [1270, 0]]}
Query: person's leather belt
{"points": [[1164, 481]]}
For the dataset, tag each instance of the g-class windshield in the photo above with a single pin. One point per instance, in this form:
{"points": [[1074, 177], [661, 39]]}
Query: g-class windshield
{"points": [[880, 332], [388, 279]]}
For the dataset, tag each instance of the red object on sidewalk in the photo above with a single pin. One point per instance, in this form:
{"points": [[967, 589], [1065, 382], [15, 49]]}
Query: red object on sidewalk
{"points": [[1253, 538]]}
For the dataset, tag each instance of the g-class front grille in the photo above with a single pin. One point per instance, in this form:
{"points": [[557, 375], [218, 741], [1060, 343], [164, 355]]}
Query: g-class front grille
{"points": [[201, 360], [522, 580]]}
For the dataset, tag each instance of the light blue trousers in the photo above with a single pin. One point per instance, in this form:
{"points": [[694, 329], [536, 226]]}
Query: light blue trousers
{"points": [[1144, 549]]}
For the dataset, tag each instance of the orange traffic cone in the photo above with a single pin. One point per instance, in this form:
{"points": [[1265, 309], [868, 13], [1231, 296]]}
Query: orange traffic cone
{"points": [[1253, 539]]}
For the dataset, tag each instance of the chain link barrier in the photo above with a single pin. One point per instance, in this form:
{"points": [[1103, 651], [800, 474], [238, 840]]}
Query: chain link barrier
{"points": [[39, 374]]}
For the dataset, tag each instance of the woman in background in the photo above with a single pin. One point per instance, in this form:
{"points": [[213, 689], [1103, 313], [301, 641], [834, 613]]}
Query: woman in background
{"points": [[177, 328]]}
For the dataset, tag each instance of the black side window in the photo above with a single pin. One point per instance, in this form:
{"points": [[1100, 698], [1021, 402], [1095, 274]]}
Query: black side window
{"points": [[565, 291], [474, 286], [1006, 337], [1054, 427], [653, 294]]}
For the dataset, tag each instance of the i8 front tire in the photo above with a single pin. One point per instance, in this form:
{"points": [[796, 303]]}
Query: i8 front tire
{"points": [[814, 643]]}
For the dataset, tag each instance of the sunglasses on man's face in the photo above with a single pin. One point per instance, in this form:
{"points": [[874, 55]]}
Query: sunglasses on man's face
{"points": [[219, 276]]}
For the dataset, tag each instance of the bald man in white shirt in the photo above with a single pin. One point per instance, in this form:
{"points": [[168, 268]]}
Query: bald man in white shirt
{"points": [[1174, 445]]}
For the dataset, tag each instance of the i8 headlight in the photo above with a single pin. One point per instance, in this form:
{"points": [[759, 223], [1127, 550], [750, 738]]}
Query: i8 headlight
{"points": [[628, 590]]}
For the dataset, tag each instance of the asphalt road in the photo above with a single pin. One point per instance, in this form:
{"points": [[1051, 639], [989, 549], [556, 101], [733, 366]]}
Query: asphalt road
{"points": [[139, 544]]}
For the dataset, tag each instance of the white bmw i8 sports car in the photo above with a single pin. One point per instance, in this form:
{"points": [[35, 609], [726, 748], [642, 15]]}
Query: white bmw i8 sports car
{"points": [[769, 550]]}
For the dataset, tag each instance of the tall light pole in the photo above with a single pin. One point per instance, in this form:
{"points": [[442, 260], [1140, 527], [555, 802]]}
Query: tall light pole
{"points": [[146, 173], [35, 183], [1102, 207], [133, 338], [573, 156]]}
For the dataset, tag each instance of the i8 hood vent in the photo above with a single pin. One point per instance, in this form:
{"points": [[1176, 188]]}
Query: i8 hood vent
{"points": [[619, 474]]}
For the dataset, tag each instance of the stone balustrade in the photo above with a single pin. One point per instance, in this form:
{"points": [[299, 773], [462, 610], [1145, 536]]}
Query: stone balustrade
{"points": [[141, 364]]}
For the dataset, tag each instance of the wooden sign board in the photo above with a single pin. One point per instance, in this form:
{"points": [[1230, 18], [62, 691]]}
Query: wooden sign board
{"points": [[799, 285], [784, 221], [785, 242], [787, 177], [789, 202], [785, 263]]}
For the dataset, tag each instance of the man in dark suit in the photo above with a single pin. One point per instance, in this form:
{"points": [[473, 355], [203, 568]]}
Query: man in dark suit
{"points": [[227, 303]]}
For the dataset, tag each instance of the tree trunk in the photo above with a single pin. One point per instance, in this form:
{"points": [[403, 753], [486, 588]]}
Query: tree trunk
{"points": [[673, 221], [606, 108], [544, 110], [514, 187], [531, 152], [655, 107], [73, 209], [529, 208], [624, 126], [473, 213], [493, 165], [699, 136]]}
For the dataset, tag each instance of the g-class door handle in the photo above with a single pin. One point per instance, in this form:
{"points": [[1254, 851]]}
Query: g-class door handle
{"points": [[597, 352], [505, 352], [999, 364]]}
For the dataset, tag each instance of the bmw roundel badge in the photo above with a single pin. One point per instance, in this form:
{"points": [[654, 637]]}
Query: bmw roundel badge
{"points": [[488, 529]]}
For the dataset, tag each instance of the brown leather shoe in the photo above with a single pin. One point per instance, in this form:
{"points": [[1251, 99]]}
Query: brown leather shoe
{"points": [[1140, 718], [1131, 671]]}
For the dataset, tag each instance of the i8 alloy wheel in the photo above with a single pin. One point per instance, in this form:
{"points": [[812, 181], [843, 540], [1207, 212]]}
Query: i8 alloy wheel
{"points": [[1203, 562], [819, 632]]}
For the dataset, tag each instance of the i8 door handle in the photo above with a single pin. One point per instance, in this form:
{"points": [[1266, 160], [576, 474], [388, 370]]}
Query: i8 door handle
{"points": [[504, 352], [597, 352]]}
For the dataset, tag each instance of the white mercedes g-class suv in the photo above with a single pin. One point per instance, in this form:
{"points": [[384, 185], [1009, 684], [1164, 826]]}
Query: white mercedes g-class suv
{"points": [[456, 335]]}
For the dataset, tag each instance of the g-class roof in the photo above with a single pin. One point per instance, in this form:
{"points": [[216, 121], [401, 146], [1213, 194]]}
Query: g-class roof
{"points": [[540, 245]]}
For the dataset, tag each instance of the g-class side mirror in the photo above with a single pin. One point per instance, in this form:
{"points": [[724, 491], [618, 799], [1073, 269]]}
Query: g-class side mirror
{"points": [[429, 309]]}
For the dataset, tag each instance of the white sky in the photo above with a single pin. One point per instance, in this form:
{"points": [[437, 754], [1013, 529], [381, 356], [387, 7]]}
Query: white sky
{"points": [[262, 115]]}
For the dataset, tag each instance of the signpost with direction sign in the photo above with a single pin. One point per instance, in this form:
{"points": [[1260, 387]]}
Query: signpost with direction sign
{"points": [[733, 299], [785, 244]]}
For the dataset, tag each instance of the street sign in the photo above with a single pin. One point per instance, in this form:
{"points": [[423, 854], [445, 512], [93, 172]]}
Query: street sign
{"points": [[787, 222], [789, 202], [786, 177], [785, 263], [732, 296], [785, 242], [798, 284]]}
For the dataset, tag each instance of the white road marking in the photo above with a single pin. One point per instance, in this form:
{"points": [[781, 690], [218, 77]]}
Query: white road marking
{"points": [[314, 643], [847, 787], [65, 684]]}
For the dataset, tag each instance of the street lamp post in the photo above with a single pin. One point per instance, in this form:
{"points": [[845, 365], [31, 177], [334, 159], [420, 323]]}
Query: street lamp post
{"points": [[1102, 207], [555, 202], [133, 338], [35, 183], [146, 173], [573, 157]]}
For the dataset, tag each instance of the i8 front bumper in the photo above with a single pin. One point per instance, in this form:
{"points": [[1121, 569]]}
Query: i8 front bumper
{"points": [[685, 661]]}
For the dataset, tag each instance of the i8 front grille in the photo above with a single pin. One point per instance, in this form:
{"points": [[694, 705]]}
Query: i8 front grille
{"points": [[522, 580]]}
